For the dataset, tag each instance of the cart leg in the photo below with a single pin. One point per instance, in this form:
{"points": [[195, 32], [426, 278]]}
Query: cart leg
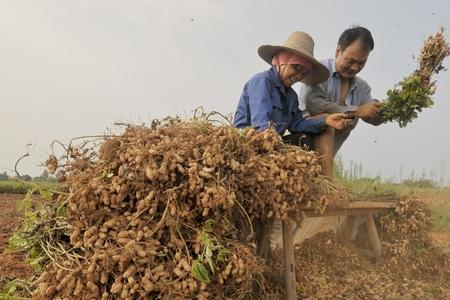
{"points": [[289, 262], [374, 239], [348, 229], [263, 230]]}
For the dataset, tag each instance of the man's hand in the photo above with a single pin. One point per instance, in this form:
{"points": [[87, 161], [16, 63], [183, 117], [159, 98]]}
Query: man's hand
{"points": [[338, 121], [369, 111]]}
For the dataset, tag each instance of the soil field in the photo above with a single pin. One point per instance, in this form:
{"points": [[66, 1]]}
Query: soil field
{"points": [[12, 264]]}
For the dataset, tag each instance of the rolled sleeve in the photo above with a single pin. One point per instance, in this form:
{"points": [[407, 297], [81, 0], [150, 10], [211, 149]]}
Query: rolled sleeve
{"points": [[300, 124]]}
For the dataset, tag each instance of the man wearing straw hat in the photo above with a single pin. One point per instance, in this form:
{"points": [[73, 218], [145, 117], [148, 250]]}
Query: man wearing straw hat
{"points": [[268, 98], [342, 92]]}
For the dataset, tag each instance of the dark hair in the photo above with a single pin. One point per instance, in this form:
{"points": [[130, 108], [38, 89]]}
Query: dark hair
{"points": [[356, 33]]}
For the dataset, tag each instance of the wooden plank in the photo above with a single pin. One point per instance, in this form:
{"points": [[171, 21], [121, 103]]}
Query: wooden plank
{"points": [[354, 208], [374, 239], [345, 212], [289, 261], [363, 204], [372, 204]]}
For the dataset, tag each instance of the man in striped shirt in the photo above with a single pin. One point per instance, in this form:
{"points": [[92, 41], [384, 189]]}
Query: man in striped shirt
{"points": [[342, 92]]}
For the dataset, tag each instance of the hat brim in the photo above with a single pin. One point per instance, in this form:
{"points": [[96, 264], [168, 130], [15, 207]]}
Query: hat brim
{"points": [[319, 73]]}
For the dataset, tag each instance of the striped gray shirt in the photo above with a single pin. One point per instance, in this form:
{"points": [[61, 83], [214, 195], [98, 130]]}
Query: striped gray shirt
{"points": [[325, 98]]}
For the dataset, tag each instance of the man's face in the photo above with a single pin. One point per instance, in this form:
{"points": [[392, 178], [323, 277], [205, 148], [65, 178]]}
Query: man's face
{"points": [[352, 60]]}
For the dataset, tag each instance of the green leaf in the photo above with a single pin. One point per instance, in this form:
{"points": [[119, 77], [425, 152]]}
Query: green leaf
{"points": [[26, 202], [12, 289], [208, 252], [223, 254], [200, 272], [46, 195], [208, 225], [211, 264]]}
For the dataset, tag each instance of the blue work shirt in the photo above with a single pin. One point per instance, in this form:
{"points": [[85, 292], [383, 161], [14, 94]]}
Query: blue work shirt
{"points": [[265, 101]]}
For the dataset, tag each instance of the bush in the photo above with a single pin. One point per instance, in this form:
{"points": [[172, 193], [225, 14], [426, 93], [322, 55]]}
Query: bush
{"points": [[26, 177], [421, 183], [4, 176], [22, 187], [13, 187]]}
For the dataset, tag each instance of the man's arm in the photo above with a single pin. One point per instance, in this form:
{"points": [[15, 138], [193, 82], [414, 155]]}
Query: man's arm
{"points": [[317, 125], [300, 124], [316, 101], [369, 110]]}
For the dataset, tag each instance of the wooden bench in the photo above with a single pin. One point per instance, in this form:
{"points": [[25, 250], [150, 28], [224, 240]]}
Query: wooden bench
{"points": [[358, 208]]}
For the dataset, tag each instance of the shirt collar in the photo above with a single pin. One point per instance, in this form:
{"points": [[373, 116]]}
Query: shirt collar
{"points": [[274, 76], [332, 66]]}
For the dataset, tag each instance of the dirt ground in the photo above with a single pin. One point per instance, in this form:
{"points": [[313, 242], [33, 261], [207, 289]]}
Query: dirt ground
{"points": [[12, 264]]}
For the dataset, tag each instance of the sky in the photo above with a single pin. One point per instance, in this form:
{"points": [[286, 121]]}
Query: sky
{"points": [[75, 67]]}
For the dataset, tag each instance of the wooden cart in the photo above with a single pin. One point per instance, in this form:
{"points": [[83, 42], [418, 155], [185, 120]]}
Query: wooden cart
{"points": [[359, 208]]}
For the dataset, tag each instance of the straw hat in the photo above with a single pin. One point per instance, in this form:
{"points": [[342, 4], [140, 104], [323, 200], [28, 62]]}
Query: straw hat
{"points": [[301, 44]]}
